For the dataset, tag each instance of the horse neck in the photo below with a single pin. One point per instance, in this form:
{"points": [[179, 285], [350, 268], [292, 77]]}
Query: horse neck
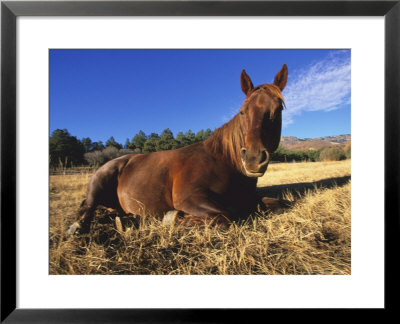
{"points": [[226, 141]]}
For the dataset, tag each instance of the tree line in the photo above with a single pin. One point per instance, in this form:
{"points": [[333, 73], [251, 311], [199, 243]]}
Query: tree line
{"points": [[325, 154], [68, 151]]}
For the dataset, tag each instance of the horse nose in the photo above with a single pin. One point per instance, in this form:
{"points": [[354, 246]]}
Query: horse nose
{"points": [[254, 160], [260, 157], [264, 157], [243, 153]]}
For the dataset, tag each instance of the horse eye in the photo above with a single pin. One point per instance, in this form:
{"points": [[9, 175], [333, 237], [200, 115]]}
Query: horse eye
{"points": [[242, 112]]}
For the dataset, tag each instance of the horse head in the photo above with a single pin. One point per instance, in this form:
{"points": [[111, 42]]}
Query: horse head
{"points": [[261, 122]]}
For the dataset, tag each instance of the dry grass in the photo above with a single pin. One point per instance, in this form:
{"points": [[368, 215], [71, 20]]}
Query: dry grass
{"points": [[286, 173], [312, 237]]}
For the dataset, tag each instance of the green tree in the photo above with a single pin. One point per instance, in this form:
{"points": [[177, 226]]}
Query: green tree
{"points": [[111, 142], [87, 144], [154, 135], [151, 144], [179, 139], [199, 136], [138, 141], [98, 146], [189, 138], [207, 133], [127, 144], [65, 148], [166, 141]]}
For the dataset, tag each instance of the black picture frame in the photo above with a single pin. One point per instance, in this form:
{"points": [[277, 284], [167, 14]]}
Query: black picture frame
{"points": [[10, 10]]}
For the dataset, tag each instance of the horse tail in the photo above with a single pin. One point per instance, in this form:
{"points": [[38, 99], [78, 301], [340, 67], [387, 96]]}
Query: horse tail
{"points": [[82, 208], [102, 190]]}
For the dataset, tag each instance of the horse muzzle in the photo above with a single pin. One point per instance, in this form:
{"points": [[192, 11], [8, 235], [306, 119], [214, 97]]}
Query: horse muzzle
{"points": [[255, 162]]}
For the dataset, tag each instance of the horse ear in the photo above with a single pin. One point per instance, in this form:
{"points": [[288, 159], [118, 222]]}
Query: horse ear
{"points": [[281, 77], [245, 83]]}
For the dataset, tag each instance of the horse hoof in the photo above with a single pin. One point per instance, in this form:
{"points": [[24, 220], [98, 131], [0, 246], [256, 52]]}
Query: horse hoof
{"points": [[73, 229], [170, 217], [118, 224]]}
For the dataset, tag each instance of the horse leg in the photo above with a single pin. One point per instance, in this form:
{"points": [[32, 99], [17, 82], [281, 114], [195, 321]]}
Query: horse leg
{"points": [[275, 204], [171, 217], [102, 190], [85, 216], [200, 209]]}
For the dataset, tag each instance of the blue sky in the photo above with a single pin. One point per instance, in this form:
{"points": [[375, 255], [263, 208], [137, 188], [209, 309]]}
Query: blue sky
{"points": [[103, 93]]}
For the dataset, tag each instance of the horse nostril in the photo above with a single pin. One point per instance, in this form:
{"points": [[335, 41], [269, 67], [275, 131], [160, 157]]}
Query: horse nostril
{"points": [[264, 157], [243, 153]]}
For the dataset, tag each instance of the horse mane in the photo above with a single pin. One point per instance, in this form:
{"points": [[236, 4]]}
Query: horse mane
{"points": [[228, 139], [271, 89]]}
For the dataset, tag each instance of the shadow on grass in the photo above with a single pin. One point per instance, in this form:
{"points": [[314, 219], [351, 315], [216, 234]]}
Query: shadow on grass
{"points": [[299, 189]]}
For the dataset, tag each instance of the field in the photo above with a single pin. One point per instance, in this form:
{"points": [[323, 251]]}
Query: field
{"points": [[310, 237]]}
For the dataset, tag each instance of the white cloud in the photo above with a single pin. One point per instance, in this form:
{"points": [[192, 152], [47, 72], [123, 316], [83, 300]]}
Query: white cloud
{"points": [[322, 86]]}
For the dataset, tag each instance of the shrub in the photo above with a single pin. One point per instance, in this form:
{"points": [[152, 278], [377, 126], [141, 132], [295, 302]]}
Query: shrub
{"points": [[284, 155], [332, 154], [110, 152], [97, 158], [347, 150], [313, 155], [94, 158]]}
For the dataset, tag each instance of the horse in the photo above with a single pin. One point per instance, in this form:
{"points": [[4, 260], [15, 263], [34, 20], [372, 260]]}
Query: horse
{"points": [[213, 181]]}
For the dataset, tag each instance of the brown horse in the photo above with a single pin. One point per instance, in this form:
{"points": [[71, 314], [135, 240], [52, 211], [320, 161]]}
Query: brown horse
{"points": [[213, 181]]}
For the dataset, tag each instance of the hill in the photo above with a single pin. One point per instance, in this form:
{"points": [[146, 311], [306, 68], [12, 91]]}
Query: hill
{"points": [[303, 144]]}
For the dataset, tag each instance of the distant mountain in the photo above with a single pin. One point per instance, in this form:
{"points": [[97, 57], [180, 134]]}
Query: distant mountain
{"points": [[303, 144]]}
